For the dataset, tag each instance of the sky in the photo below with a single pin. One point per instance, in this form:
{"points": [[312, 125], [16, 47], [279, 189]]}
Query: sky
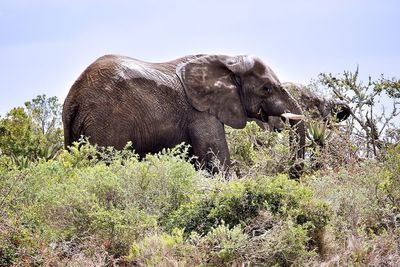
{"points": [[46, 44]]}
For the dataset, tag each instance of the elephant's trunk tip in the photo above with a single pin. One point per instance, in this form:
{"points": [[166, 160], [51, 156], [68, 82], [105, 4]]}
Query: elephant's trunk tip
{"points": [[343, 111]]}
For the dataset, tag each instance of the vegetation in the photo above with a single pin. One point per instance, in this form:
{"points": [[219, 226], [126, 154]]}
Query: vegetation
{"points": [[31, 134], [375, 109], [96, 206]]}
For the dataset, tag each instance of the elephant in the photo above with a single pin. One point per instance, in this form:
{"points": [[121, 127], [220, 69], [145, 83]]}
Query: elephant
{"points": [[317, 107], [159, 105]]}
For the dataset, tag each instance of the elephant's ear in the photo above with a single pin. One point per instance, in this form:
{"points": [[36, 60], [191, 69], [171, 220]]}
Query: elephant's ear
{"points": [[209, 83]]}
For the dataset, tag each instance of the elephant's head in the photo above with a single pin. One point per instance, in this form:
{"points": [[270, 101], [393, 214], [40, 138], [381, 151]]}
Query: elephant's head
{"points": [[316, 106], [236, 89], [319, 107]]}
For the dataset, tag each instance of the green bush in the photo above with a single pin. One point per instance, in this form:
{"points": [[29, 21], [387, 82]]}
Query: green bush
{"points": [[254, 150], [30, 134], [162, 249], [390, 184], [79, 195], [365, 202], [286, 244], [100, 206], [238, 202], [222, 246]]}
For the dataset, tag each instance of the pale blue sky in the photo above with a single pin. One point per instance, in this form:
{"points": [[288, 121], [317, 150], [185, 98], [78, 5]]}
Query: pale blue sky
{"points": [[45, 45]]}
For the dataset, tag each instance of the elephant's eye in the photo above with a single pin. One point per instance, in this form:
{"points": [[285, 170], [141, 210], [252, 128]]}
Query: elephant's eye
{"points": [[267, 89]]}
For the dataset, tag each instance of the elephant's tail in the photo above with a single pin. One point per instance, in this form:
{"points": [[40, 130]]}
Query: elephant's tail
{"points": [[68, 118]]}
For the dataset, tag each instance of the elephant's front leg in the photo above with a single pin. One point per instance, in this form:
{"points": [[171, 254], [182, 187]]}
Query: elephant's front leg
{"points": [[208, 140]]}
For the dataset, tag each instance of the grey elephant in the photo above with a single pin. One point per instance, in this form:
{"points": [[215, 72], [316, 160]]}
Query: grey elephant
{"points": [[317, 107], [159, 105]]}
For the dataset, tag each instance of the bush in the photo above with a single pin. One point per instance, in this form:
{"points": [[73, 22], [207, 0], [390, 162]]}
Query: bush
{"points": [[390, 184], [30, 134], [79, 196], [254, 150], [222, 246], [100, 206], [366, 211], [238, 202], [286, 244], [162, 249]]}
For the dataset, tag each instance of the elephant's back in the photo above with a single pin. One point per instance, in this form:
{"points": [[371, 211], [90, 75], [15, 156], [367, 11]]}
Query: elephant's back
{"points": [[122, 96], [111, 73]]}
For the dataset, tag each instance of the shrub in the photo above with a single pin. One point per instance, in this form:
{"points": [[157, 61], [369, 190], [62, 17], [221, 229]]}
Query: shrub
{"points": [[254, 150], [238, 202], [390, 184], [101, 206], [162, 249], [30, 134], [366, 211], [222, 246], [62, 203], [286, 244]]}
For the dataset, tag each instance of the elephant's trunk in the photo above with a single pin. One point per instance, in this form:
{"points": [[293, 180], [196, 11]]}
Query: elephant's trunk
{"points": [[297, 141]]}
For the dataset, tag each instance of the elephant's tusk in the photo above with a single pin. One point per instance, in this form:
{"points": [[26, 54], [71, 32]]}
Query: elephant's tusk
{"points": [[292, 116]]}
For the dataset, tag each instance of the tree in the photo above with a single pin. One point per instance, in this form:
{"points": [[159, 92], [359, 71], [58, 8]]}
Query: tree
{"points": [[17, 138], [46, 114], [33, 133], [375, 105]]}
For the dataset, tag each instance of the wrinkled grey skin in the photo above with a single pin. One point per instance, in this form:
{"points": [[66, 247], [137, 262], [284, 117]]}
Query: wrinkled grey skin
{"points": [[159, 105], [317, 107]]}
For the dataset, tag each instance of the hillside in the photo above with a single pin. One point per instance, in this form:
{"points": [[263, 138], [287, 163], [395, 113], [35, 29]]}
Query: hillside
{"points": [[94, 206]]}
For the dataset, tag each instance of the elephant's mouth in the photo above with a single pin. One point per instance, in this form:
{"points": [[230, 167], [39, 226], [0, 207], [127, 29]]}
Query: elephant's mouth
{"points": [[263, 115], [277, 129], [284, 116]]}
